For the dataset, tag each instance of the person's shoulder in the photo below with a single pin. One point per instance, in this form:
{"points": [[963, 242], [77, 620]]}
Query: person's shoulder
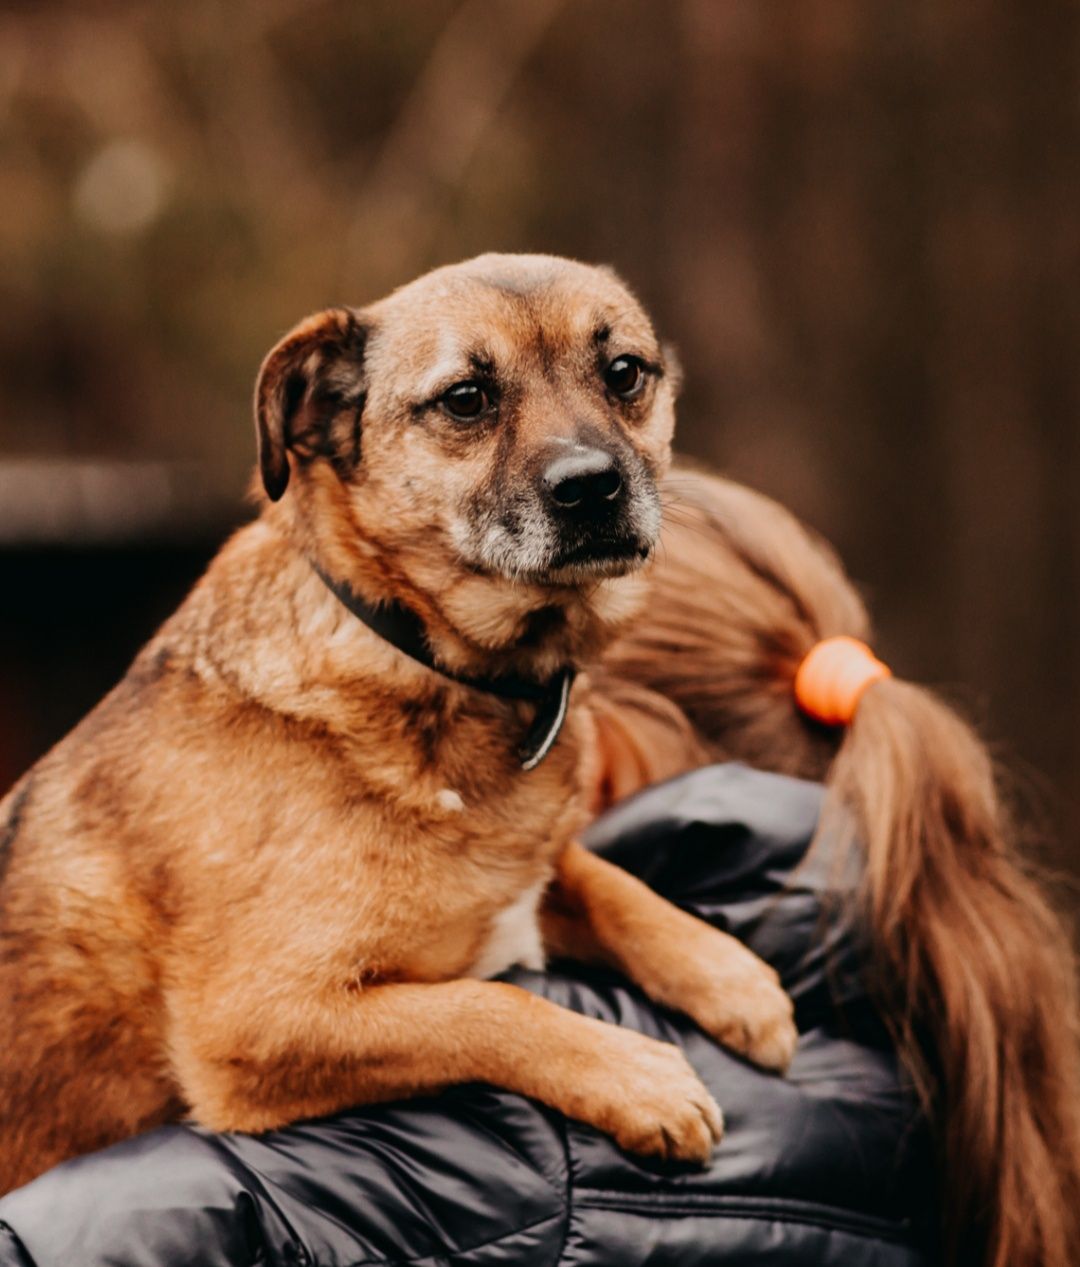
{"points": [[836, 1149], [834, 1155]]}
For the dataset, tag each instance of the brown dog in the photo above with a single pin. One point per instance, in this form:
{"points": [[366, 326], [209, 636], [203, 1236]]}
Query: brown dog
{"points": [[262, 879]]}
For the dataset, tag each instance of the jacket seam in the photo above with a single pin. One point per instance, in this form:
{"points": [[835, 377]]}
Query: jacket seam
{"points": [[766, 1209], [568, 1199]]}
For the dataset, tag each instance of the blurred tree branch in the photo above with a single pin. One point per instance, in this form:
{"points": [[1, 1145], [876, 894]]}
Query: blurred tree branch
{"points": [[426, 154]]}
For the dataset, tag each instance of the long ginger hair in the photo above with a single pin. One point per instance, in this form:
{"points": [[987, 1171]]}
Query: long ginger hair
{"points": [[973, 969]]}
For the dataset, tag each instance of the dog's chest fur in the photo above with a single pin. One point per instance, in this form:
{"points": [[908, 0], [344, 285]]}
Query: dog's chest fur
{"points": [[406, 841], [479, 862], [514, 937]]}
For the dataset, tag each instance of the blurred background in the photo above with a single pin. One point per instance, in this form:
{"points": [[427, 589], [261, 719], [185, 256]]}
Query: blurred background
{"points": [[860, 223]]}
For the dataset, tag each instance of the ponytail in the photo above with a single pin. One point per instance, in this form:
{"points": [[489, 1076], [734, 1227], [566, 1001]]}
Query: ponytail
{"points": [[973, 970], [975, 975]]}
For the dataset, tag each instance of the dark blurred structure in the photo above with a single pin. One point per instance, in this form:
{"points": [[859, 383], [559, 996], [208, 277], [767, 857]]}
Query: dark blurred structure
{"points": [[859, 223]]}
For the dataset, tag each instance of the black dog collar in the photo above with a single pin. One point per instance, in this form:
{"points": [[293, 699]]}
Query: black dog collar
{"points": [[404, 630]]}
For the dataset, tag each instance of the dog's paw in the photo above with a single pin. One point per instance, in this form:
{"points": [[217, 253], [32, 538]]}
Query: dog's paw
{"points": [[646, 1095], [737, 998]]}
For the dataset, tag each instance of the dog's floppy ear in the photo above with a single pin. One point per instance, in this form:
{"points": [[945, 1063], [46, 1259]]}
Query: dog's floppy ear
{"points": [[309, 396]]}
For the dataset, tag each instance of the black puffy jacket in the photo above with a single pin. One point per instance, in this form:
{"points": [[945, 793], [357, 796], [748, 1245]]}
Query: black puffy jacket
{"points": [[829, 1165]]}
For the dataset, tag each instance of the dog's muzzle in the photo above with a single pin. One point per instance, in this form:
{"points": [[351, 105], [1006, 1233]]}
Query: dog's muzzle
{"points": [[593, 503], [584, 511]]}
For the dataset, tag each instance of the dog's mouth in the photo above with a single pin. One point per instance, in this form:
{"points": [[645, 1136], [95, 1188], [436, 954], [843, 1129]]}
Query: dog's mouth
{"points": [[598, 559]]}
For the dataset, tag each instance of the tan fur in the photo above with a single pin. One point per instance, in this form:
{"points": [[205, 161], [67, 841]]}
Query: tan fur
{"points": [[252, 883]]}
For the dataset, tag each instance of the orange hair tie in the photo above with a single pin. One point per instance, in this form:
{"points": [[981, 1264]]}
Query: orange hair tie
{"points": [[831, 680]]}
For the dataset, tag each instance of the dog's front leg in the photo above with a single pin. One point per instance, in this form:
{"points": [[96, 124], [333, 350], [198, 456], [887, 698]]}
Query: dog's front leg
{"points": [[599, 913], [287, 1057]]}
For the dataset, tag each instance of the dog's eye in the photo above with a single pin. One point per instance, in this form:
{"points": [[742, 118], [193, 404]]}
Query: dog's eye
{"points": [[625, 376], [466, 401]]}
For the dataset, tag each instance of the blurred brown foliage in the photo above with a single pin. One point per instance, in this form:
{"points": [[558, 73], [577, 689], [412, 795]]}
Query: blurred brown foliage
{"points": [[860, 224]]}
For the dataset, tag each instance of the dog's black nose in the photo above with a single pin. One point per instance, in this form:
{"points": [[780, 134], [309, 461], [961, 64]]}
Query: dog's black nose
{"points": [[584, 478]]}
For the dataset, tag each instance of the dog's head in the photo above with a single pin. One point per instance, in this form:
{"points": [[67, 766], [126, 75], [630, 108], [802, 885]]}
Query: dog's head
{"points": [[505, 418]]}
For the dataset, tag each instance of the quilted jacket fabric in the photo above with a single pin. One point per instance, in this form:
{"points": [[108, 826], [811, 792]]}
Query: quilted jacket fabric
{"points": [[827, 1166]]}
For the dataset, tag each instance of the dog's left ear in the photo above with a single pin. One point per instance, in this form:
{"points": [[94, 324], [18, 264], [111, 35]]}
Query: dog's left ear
{"points": [[309, 397]]}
